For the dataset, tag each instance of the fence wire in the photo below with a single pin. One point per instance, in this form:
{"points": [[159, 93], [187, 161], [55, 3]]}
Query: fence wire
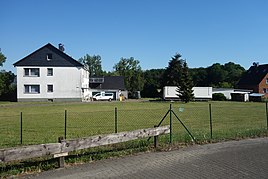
{"points": [[225, 120]]}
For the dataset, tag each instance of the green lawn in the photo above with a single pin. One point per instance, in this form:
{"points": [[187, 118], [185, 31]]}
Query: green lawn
{"points": [[44, 122]]}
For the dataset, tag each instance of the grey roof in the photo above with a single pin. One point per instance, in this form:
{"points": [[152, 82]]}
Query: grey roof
{"points": [[39, 58], [113, 82], [110, 82]]}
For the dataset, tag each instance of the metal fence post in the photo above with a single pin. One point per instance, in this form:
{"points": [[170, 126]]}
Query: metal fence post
{"points": [[65, 124], [266, 116], [155, 140], [170, 123], [210, 121], [115, 119], [20, 127]]}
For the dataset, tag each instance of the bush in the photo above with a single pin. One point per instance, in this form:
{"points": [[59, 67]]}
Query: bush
{"points": [[218, 97]]}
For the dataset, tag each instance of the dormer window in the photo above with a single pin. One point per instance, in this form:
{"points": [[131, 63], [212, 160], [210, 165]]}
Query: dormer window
{"points": [[49, 56]]}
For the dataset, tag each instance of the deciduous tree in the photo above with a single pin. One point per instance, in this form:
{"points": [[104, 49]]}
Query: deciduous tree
{"points": [[7, 87], [93, 64], [131, 70], [152, 82], [2, 59]]}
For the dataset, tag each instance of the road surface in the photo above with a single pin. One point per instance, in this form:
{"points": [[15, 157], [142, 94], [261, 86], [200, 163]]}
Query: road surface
{"points": [[233, 159]]}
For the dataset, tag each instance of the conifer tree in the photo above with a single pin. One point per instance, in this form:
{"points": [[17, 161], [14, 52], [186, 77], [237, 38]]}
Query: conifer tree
{"points": [[185, 90], [177, 74]]}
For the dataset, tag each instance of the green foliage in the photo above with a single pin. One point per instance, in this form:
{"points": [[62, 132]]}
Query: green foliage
{"points": [[199, 76], [2, 59], [217, 75], [185, 90], [7, 88], [93, 64], [152, 83], [173, 73], [177, 74], [131, 70], [234, 71], [218, 97]]}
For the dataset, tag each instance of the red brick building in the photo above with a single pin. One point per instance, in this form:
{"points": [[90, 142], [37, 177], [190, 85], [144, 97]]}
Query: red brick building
{"points": [[256, 79]]}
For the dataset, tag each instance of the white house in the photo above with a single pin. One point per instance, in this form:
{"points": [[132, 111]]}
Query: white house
{"points": [[48, 74]]}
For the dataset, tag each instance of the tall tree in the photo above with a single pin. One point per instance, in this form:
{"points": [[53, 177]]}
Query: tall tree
{"points": [[185, 90], [177, 74], [131, 70], [93, 64], [173, 73], [2, 59]]}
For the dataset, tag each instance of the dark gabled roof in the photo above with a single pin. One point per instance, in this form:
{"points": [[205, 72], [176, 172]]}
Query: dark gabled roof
{"points": [[39, 58], [110, 82], [254, 75]]}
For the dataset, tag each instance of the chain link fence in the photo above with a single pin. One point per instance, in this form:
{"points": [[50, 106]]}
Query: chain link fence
{"points": [[204, 121]]}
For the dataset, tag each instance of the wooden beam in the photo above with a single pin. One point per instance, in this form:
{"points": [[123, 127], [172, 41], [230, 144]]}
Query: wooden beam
{"points": [[26, 152], [78, 144], [30, 151]]}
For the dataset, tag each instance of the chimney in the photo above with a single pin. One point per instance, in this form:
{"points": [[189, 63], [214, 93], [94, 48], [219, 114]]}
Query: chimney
{"points": [[61, 47], [255, 64]]}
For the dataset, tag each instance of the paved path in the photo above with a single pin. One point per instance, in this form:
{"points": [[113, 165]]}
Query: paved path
{"points": [[233, 159]]}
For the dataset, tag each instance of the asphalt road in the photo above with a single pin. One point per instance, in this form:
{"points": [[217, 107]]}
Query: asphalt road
{"points": [[233, 159]]}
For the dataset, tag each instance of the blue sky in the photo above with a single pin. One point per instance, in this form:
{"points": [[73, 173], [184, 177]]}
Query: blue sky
{"points": [[152, 31]]}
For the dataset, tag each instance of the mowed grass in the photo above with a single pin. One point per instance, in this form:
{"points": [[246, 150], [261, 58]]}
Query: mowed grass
{"points": [[44, 122]]}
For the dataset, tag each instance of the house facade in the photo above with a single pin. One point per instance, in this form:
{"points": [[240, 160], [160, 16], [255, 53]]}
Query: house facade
{"points": [[256, 79], [48, 74]]}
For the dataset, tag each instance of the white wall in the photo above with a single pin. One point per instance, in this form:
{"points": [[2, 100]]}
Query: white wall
{"points": [[66, 81], [170, 92], [202, 92]]}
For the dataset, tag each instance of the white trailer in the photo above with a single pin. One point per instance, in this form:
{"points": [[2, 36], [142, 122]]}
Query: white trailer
{"points": [[200, 93]]}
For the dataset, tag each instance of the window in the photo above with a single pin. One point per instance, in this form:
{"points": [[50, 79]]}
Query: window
{"points": [[108, 94], [266, 80], [50, 72], [50, 88], [96, 80], [49, 56], [32, 89], [34, 72]]}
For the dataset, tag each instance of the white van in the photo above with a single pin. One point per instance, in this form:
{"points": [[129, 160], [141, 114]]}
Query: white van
{"points": [[102, 96]]}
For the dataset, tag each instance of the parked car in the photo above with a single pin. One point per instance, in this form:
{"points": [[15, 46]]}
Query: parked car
{"points": [[102, 96]]}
